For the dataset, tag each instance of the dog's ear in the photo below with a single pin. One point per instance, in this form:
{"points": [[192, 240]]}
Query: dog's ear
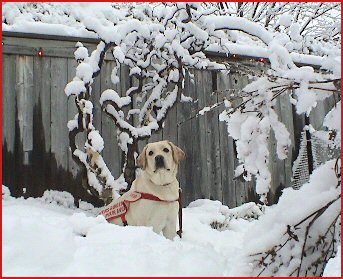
{"points": [[178, 154], [141, 159]]}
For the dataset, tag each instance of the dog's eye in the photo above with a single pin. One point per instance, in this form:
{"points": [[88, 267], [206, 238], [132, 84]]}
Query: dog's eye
{"points": [[151, 153], [166, 150]]}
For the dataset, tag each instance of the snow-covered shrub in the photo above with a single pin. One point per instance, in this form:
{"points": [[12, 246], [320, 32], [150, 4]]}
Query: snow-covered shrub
{"points": [[251, 122], [219, 215], [247, 211], [6, 193], [86, 206], [62, 198], [209, 212], [299, 235]]}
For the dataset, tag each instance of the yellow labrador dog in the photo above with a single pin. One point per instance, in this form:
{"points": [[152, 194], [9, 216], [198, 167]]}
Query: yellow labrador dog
{"points": [[153, 197]]}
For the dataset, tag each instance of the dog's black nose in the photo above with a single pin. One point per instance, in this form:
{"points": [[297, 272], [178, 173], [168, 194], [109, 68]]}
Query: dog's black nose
{"points": [[159, 161]]}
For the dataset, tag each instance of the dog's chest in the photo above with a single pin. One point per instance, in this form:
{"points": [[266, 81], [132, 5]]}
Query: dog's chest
{"points": [[147, 212]]}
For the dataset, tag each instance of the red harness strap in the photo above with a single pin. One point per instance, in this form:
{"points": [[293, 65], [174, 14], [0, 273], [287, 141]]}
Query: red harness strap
{"points": [[147, 196], [179, 232], [122, 207]]}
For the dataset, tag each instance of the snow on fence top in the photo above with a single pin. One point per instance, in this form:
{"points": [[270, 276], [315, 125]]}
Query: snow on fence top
{"points": [[64, 19]]}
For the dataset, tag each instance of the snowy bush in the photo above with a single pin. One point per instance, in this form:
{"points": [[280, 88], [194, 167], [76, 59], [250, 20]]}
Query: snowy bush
{"points": [[6, 194], [299, 235], [62, 198], [247, 211], [219, 216]]}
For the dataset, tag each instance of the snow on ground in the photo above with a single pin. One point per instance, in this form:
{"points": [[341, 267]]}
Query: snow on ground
{"points": [[48, 236], [333, 267]]}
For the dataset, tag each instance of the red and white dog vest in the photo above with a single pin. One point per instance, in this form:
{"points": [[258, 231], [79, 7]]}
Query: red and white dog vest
{"points": [[119, 209]]}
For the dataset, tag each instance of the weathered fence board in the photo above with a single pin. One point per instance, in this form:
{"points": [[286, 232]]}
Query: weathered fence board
{"points": [[8, 101], [59, 118], [8, 118], [36, 152], [170, 126], [41, 127], [25, 103], [212, 137], [24, 109], [185, 140], [200, 180], [227, 149]]}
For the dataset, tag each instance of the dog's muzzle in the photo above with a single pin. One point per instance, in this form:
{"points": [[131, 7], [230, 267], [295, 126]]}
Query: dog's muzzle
{"points": [[159, 162]]}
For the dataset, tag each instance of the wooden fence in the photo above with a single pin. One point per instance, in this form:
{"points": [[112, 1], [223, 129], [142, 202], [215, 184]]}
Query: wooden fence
{"points": [[36, 154]]}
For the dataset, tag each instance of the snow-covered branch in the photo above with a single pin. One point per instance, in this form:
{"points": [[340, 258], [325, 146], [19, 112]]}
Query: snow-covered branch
{"points": [[160, 43], [317, 21], [297, 238], [100, 181]]}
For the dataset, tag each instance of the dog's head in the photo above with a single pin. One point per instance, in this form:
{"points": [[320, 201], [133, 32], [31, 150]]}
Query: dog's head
{"points": [[160, 161]]}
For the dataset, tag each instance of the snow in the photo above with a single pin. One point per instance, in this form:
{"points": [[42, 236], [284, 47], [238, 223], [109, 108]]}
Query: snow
{"points": [[332, 121], [185, 99], [6, 194], [114, 77], [72, 124], [285, 20], [97, 142], [123, 140], [45, 238], [333, 267], [81, 52], [84, 72], [251, 134], [205, 109], [167, 103], [111, 95], [49, 236], [294, 32], [333, 118], [271, 227], [238, 23], [75, 87]]}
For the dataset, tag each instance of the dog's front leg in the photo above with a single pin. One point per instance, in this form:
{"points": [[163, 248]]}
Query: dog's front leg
{"points": [[169, 230]]}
